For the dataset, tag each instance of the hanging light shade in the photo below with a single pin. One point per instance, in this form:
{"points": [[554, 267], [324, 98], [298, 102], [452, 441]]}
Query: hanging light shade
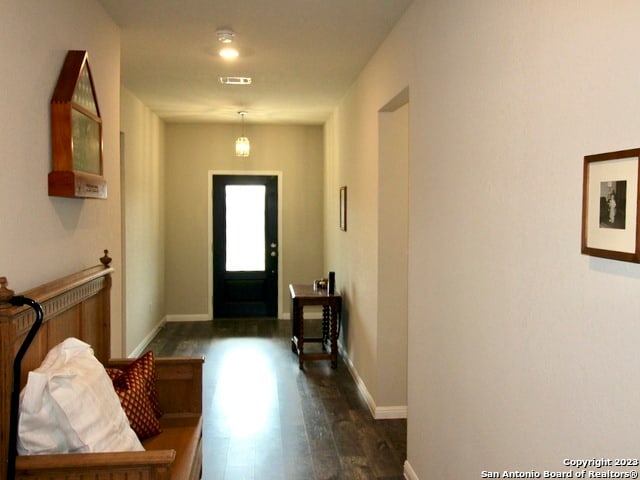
{"points": [[243, 147]]}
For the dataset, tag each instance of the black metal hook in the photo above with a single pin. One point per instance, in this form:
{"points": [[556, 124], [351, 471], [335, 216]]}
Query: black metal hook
{"points": [[19, 301]]}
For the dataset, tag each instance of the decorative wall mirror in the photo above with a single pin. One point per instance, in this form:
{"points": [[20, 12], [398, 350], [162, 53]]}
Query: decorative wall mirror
{"points": [[76, 133]]}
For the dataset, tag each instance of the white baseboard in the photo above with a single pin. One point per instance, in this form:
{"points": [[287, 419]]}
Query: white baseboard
{"points": [[379, 413], [362, 387], [409, 473], [388, 413], [195, 317], [140, 349], [142, 346]]}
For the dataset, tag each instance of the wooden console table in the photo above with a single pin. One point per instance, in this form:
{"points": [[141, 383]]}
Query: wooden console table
{"points": [[305, 295]]}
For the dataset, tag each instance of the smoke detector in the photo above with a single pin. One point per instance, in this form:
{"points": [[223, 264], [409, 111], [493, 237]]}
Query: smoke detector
{"points": [[225, 36]]}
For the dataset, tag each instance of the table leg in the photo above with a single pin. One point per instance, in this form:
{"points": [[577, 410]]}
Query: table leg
{"points": [[334, 338], [300, 335], [326, 313], [294, 322]]}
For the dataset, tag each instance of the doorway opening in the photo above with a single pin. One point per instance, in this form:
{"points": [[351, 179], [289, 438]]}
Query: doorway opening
{"points": [[393, 261]]}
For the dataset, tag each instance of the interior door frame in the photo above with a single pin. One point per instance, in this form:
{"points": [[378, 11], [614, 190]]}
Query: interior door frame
{"points": [[246, 173]]}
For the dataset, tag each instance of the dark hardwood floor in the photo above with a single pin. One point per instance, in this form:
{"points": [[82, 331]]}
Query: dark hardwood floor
{"points": [[265, 419]]}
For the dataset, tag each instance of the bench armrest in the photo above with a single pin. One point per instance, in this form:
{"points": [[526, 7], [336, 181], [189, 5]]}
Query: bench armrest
{"points": [[154, 465], [179, 382]]}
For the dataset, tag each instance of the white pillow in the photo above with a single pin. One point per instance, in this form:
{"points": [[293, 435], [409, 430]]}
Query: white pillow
{"points": [[69, 405]]}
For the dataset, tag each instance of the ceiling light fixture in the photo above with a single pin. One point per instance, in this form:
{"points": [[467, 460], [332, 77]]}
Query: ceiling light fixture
{"points": [[226, 36], [235, 80], [243, 147], [229, 53]]}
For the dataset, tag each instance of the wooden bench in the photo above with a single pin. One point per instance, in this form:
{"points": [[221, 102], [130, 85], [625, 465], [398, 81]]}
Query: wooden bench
{"points": [[79, 306]]}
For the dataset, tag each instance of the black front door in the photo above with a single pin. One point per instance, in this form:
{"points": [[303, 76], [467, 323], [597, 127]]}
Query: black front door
{"points": [[245, 246]]}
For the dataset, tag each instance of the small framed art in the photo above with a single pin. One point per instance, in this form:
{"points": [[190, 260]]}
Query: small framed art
{"points": [[343, 209], [610, 205]]}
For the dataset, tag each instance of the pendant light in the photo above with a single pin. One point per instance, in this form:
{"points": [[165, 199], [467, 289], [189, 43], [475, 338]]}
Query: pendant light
{"points": [[243, 147]]}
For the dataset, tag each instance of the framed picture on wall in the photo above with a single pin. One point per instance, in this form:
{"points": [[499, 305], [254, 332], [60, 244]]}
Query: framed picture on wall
{"points": [[343, 209], [610, 205], [76, 133]]}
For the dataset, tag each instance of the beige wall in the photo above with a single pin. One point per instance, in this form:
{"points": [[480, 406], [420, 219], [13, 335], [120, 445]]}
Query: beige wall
{"points": [[522, 351], [42, 237], [192, 151], [143, 217], [357, 157]]}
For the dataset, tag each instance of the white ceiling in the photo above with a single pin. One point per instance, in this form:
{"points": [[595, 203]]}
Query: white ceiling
{"points": [[302, 55]]}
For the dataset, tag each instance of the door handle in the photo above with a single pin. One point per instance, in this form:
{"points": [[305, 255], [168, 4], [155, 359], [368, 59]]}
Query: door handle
{"points": [[273, 245], [274, 254]]}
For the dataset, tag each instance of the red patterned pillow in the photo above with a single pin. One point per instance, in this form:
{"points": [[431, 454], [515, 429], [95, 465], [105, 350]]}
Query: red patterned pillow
{"points": [[136, 388]]}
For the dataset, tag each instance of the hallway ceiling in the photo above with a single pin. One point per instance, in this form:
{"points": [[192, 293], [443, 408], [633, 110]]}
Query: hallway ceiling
{"points": [[302, 55]]}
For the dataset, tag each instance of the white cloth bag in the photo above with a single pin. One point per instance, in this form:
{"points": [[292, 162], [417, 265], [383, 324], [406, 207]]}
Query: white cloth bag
{"points": [[69, 405]]}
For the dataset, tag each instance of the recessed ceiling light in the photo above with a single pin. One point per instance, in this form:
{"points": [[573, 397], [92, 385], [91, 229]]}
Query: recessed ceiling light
{"points": [[235, 80], [229, 53]]}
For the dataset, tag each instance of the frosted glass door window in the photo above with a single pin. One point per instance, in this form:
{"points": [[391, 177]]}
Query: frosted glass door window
{"points": [[245, 217]]}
